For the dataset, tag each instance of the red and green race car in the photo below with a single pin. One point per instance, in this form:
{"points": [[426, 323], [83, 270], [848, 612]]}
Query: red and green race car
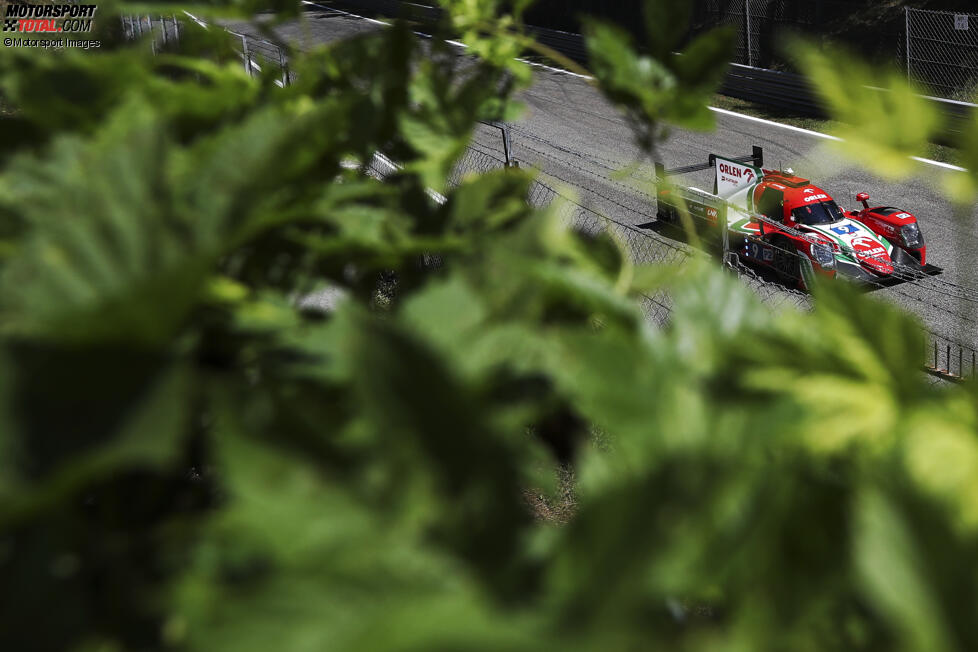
{"points": [[778, 220]]}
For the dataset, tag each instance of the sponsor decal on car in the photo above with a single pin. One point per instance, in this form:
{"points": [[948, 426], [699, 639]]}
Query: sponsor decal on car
{"points": [[816, 198], [848, 234], [732, 176], [867, 246]]}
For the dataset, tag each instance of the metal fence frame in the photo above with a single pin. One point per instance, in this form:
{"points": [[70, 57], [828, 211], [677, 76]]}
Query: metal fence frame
{"points": [[255, 53], [942, 52]]}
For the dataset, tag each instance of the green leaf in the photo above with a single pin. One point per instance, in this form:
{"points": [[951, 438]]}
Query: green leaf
{"points": [[106, 258], [893, 575]]}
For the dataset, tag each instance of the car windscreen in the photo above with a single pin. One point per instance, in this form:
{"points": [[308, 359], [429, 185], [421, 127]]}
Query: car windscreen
{"points": [[824, 212]]}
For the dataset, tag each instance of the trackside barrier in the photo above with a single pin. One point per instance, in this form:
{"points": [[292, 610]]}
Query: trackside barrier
{"points": [[792, 93], [775, 89]]}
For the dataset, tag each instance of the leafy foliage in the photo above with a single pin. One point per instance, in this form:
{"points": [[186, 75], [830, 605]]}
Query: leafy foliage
{"points": [[662, 86], [192, 459]]}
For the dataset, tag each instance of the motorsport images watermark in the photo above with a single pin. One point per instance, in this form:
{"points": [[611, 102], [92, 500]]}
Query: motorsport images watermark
{"points": [[49, 18], [30, 19]]}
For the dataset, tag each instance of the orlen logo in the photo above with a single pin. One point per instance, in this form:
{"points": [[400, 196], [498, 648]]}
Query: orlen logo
{"points": [[867, 246], [750, 175], [732, 171], [815, 198]]}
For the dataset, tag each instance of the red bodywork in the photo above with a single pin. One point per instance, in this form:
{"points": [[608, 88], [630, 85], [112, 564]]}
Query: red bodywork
{"points": [[790, 192]]}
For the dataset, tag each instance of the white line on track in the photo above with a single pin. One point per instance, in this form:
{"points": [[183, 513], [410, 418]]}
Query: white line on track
{"points": [[819, 134], [751, 118], [742, 116], [196, 20], [939, 164]]}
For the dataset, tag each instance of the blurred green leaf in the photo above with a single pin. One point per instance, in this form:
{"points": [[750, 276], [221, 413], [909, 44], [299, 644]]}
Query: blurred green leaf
{"points": [[890, 568], [664, 87], [883, 119]]}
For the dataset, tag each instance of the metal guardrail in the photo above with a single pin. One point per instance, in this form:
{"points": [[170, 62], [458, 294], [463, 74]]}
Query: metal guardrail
{"points": [[793, 93]]}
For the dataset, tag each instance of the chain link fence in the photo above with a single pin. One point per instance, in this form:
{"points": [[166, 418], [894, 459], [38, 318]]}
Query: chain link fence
{"points": [[761, 23], [258, 56], [942, 52], [645, 247], [761, 26]]}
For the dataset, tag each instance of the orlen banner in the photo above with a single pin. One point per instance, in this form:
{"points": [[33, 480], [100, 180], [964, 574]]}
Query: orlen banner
{"points": [[733, 176]]}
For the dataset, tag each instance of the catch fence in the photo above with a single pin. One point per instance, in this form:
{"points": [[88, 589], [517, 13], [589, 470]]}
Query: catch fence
{"points": [[258, 56], [942, 52]]}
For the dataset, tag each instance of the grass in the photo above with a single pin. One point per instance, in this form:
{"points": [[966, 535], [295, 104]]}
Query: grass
{"points": [[935, 152]]}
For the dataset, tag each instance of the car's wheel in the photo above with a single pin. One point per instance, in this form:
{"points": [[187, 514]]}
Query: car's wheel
{"points": [[786, 260], [667, 213]]}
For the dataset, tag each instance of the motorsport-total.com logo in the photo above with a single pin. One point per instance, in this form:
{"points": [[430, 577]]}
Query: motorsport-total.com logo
{"points": [[48, 18]]}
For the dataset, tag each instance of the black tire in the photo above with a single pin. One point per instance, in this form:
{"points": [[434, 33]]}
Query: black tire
{"points": [[792, 267]]}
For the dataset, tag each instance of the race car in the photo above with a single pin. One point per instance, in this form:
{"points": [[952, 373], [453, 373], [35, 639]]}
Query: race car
{"points": [[781, 221]]}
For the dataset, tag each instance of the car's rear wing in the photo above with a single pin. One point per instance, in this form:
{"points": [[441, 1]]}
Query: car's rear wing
{"points": [[756, 158]]}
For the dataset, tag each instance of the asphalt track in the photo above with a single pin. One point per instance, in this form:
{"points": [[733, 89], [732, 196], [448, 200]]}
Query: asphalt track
{"points": [[576, 138]]}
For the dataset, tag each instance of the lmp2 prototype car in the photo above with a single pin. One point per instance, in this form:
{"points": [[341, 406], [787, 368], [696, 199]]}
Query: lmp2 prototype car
{"points": [[778, 220]]}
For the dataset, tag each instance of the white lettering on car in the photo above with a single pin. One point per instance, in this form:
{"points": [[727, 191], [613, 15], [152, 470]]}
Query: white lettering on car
{"points": [[815, 198]]}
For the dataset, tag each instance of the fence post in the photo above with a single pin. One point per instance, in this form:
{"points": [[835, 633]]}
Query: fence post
{"points": [[724, 234], [506, 145], [284, 66], [247, 57], [152, 38], [906, 16], [750, 54]]}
